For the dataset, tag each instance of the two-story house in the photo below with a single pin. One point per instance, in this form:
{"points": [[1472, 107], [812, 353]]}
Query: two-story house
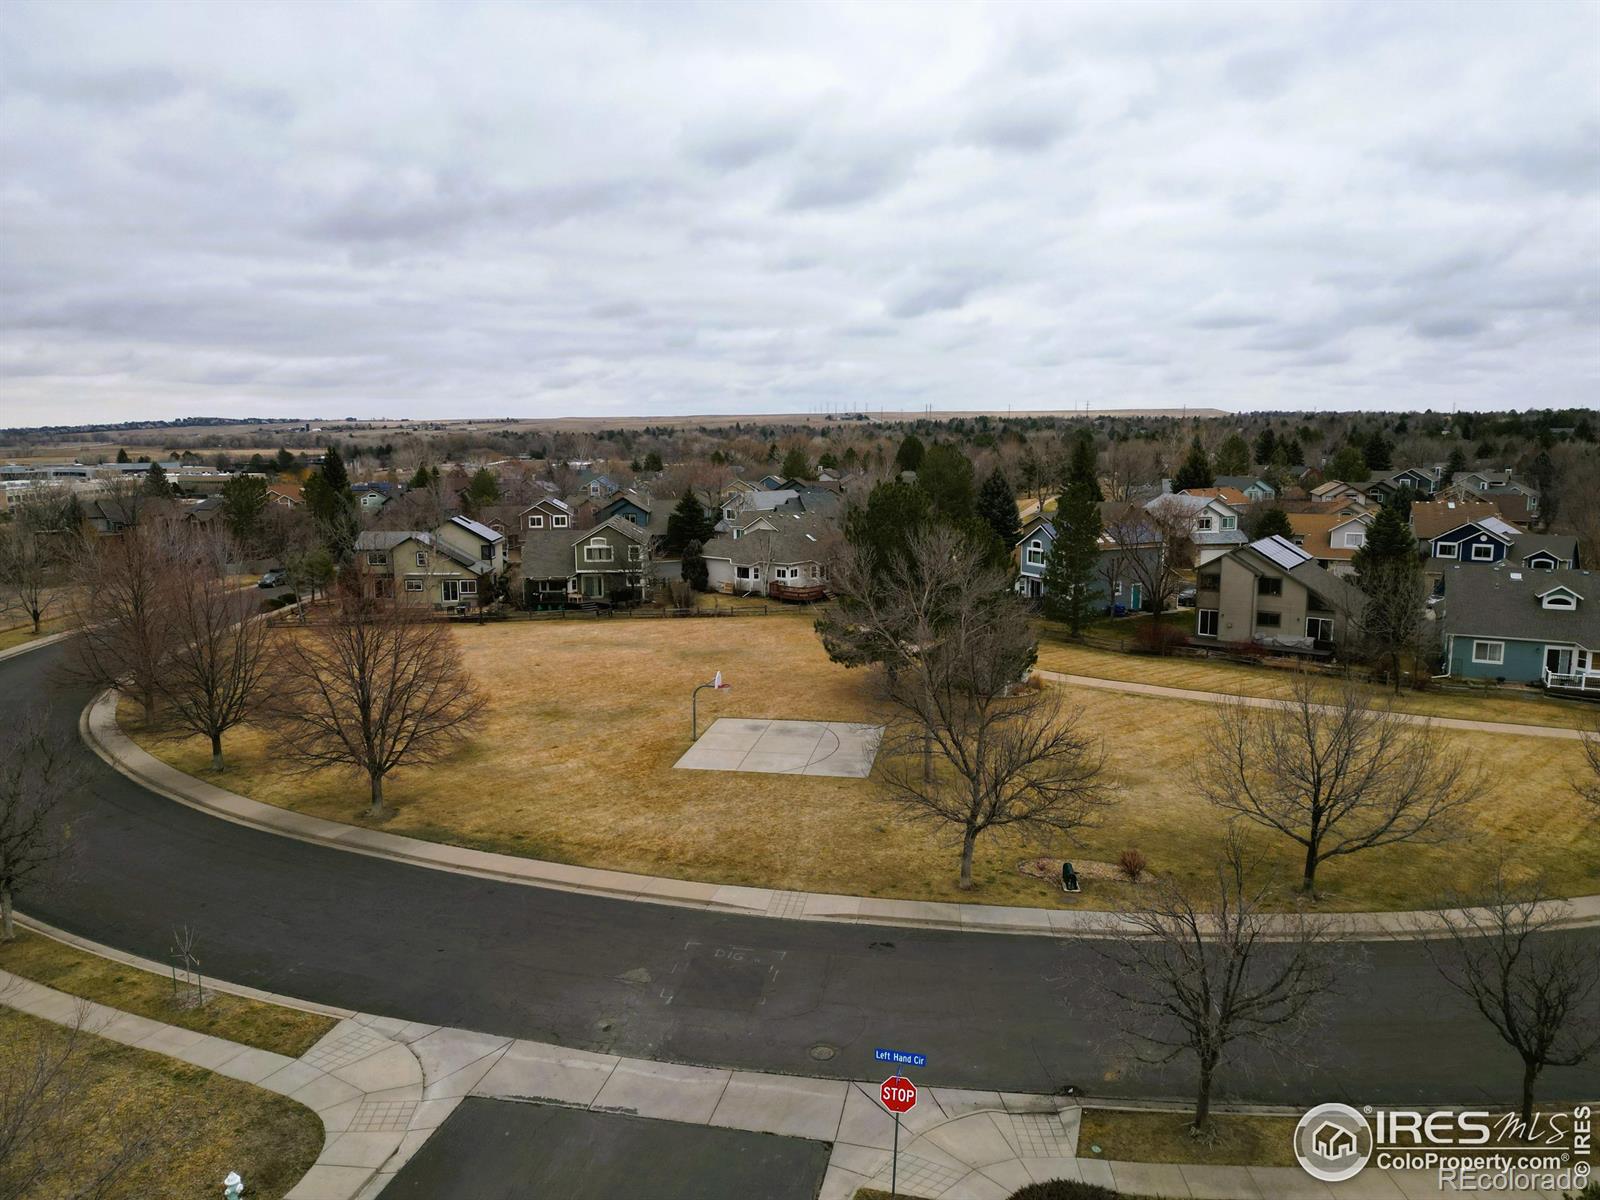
{"points": [[1515, 497], [414, 565], [1255, 490], [783, 555], [1331, 537], [1214, 523], [1424, 481], [1272, 593], [1116, 583], [608, 562], [1521, 626]]}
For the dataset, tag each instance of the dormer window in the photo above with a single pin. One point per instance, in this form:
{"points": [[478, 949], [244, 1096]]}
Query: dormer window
{"points": [[1561, 598]]}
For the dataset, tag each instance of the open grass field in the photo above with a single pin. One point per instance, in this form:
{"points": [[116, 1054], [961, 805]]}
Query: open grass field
{"points": [[1057, 652], [574, 764], [17, 631], [1163, 1137], [206, 1124], [252, 1022]]}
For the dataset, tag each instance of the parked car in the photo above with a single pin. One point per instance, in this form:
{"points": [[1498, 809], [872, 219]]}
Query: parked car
{"points": [[276, 577], [1186, 598]]}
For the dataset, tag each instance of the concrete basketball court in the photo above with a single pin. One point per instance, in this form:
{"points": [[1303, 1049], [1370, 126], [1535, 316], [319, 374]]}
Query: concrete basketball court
{"points": [[785, 748]]}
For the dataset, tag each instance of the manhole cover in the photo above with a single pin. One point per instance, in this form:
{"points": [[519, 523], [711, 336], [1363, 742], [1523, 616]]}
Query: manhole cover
{"points": [[822, 1052]]}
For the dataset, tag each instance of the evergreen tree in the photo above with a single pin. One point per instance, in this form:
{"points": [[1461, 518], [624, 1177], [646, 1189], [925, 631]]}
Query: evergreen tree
{"points": [[997, 505], [1083, 466], [909, 456], [1378, 453], [828, 462], [1456, 465], [483, 488], [1293, 455], [1401, 501], [122, 454], [693, 566], [689, 522], [1233, 456], [1272, 521], [795, 464], [156, 483], [946, 476], [1196, 470], [652, 462], [1266, 446], [421, 479], [333, 472], [1349, 465], [1389, 574], [244, 505], [327, 495], [284, 461], [1069, 569]]}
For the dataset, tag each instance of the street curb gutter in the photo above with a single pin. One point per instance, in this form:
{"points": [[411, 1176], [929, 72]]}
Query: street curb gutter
{"points": [[98, 726]]}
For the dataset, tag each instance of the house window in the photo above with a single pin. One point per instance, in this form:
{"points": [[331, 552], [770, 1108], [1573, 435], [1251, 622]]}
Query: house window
{"points": [[1540, 563], [1355, 538], [535, 522], [1482, 551], [1116, 588], [1230, 523], [1269, 586], [597, 550], [1269, 620], [558, 522], [422, 558], [1493, 653], [749, 573], [1205, 622], [1203, 524], [635, 553], [377, 558], [486, 552], [1444, 550], [1320, 628], [1560, 600], [1036, 553], [1210, 581], [469, 587], [413, 585]]}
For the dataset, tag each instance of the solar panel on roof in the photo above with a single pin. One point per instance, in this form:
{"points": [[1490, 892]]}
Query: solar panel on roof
{"points": [[1280, 552]]}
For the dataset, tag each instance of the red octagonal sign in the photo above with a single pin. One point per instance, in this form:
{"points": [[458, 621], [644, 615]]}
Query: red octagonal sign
{"points": [[898, 1094]]}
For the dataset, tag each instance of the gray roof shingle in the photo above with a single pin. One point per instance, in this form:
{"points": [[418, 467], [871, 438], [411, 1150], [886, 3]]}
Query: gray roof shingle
{"points": [[1502, 601]]}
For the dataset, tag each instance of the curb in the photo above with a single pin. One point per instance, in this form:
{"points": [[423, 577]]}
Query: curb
{"points": [[98, 727], [37, 644]]}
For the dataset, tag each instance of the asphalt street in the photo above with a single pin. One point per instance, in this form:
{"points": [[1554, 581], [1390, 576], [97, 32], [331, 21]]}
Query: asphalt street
{"points": [[991, 1011], [500, 1150]]}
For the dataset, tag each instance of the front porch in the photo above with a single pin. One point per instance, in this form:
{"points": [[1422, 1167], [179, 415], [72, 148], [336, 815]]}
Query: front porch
{"points": [[1573, 683]]}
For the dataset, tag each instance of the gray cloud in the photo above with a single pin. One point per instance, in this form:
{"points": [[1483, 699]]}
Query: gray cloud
{"points": [[683, 208]]}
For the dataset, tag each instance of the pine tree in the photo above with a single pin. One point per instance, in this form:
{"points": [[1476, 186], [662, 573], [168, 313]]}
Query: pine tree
{"points": [[997, 505], [1233, 456], [1389, 574], [1456, 465], [693, 566], [1069, 569], [1378, 453], [156, 483], [795, 465], [1083, 468], [946, 476], [1266, 446], [652, 462], [284, 461], [687, 523], [1273, 521], [909, 456], [482, 489], [1196, 470], [421, 479], [122, 454], [1349, 465]]}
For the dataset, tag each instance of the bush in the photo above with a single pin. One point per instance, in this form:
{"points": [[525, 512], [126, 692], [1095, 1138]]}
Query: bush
{"points": [[1153, 636], [1064, 1189], [1132, 863]]}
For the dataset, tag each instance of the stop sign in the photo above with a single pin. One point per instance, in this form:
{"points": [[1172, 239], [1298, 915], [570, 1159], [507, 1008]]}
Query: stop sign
{"points": [[898, 1094]]}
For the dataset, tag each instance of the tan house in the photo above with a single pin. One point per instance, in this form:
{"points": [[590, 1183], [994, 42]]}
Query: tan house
{"points": [[416, 566], [1331, 538], [1272, 593]]}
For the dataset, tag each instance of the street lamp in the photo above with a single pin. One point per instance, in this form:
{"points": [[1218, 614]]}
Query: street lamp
{"points": [[694, 702]]}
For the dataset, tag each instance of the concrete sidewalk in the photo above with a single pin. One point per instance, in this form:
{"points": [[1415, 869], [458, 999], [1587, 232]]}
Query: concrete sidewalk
{"points": [[98, 726]]}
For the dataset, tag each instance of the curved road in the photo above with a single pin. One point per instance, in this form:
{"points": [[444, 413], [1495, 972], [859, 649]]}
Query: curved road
{"points": [[990, 1011]]}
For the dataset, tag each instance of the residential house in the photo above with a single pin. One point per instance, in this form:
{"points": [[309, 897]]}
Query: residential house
{"points": [[476, 539], [780, 555], [370, 497], [1253, 489], [549, 512], [1332, 537], [627, 504], [741, 503], [1214, 523], [1335, 490], [286, 495], [609, 560], [1116, 583], [1516, 498], [1422, 480], [415, 565], [822, 496], [1522, 626], [1273, 593], [598, 485]]}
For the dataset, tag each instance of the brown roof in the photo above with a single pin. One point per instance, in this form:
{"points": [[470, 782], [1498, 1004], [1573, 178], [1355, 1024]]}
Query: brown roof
{"points": [[1313, 529], [1430, 518], [289, 491], [1230, 494]]}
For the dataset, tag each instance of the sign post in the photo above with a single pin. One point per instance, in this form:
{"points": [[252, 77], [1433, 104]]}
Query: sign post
{"points": [[899, 1095]]}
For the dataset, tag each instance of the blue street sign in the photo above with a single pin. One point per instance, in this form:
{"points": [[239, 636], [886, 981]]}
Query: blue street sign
{"points": [[901, 1058]]}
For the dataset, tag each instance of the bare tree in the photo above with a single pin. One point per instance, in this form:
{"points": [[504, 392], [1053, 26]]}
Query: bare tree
{"points": [[1335, 770], [1588, 785], [38, 770], [214, 673], [118, 604], [34, 552], [376, 687], [968, 748], [1538, 987], [1158, 545], [1200, 974]]}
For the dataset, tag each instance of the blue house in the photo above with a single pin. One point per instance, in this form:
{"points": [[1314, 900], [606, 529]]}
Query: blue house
{"points": [[1486, 540], [1116, 584], [1521, 626]]}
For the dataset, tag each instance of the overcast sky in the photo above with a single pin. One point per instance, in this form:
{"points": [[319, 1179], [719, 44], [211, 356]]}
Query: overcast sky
{"points": [[464, 210]]}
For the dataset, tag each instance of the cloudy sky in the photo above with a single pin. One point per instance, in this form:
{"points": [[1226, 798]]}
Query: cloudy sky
{"points": [[495, 209]]}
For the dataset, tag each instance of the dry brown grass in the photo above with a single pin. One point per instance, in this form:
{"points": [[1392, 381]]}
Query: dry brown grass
{"points": [[219, 1124], [1163, 1137], [586, 719], [1056, 653]]}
